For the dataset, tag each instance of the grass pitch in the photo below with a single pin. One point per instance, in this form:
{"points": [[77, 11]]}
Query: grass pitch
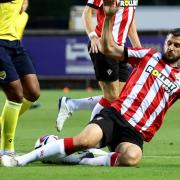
{"points": [[161, 156]]}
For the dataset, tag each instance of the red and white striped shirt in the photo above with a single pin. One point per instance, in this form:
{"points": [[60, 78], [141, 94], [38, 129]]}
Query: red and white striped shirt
{"points": [[122, 21], [151, 89]]}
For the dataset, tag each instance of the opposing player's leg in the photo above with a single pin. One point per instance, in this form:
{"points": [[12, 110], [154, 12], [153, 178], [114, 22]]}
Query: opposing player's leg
{"points": [[17, 71], [68, 105], [9, 117], [10, 114], [15, 105], [13, 90], [31, 91], [29, 81]]}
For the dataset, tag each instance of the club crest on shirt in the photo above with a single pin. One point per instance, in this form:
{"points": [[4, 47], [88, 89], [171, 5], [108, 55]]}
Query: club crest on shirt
{"points": [[2, 75], [109, 72]]}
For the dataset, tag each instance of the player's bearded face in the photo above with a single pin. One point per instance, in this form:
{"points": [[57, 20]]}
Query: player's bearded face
{"points": [[172, 49]]}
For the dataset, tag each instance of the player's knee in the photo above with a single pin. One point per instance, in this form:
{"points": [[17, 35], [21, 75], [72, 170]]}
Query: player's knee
{"points": [[132, 159], [16, 95], [35, 95], [129, 159], [32, 95]]}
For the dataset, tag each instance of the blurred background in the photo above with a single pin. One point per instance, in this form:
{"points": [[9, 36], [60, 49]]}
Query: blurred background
{"points": [[57, 42], [56, 13]]}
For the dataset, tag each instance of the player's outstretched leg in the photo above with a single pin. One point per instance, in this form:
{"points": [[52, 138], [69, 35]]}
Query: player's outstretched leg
{"points": [[68, 105], [83, 159]]}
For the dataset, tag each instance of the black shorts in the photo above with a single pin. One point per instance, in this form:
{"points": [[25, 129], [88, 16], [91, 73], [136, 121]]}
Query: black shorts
{"points": [[116, 130], [107, 69], [14, 61]]}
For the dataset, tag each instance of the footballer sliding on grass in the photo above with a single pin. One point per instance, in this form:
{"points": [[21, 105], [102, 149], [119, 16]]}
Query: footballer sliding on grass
{"points": [[137, 114]]}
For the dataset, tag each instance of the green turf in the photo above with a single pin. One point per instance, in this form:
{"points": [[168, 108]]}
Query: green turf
{"points": [[161, 156]]}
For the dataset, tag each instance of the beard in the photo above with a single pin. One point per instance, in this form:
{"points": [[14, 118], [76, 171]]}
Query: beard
{"points": [[170, 60]]}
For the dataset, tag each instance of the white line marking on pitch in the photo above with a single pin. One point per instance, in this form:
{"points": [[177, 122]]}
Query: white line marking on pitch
{"points": [[164, 157], [146, 156]]}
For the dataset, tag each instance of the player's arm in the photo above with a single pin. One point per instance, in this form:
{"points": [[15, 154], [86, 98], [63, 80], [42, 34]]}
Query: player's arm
{"points": [[133, 35], [24, 6], [22, 19], [108, 46], [87, 17]]}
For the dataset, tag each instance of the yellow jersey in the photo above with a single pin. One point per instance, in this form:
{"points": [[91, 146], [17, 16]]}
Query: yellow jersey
{"points": [[21, 22], [9, 12]]}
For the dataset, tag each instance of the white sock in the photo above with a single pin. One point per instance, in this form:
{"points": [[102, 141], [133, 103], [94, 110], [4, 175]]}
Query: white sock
{"points": [[98, 161], [96, 110], [97, 152], [46, 151], [83, 104], [71, 159]]}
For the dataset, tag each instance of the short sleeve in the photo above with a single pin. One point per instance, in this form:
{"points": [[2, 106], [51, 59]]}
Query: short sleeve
{"points": [[135, 55]]}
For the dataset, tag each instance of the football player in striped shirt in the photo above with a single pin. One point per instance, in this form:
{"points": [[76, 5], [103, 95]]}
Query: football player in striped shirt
{"points": [[137, 114], [111, 75]]}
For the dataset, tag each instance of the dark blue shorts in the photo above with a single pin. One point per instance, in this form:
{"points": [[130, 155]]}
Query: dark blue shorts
{"points": [[14, 61]]}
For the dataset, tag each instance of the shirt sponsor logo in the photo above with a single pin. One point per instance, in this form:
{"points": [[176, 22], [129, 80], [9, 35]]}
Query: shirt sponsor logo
{"points": [[128, 3], [168, 85]]}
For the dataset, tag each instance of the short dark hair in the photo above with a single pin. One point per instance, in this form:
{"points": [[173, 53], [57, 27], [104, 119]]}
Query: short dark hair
{"points": [[175, 32]]}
